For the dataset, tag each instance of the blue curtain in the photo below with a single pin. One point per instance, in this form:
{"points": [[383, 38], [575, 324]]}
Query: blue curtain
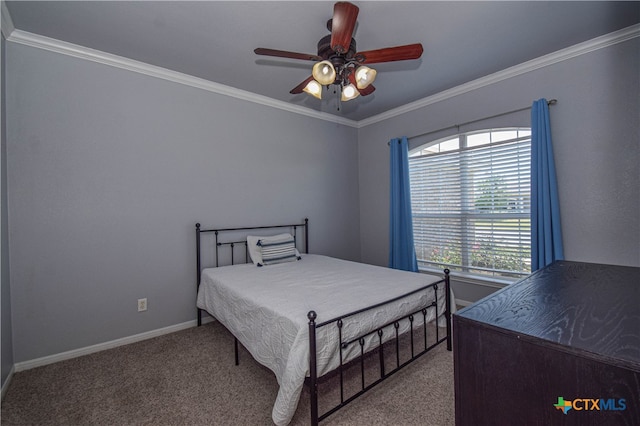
{"points": [[546, 233], [402, 253]]}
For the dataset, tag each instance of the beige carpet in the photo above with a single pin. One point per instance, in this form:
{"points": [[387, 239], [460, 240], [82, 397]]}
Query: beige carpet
{"points": [[189, 378]]}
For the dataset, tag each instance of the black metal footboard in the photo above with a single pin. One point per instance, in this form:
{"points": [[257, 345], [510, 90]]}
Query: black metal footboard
{"points": [[417, 349]]}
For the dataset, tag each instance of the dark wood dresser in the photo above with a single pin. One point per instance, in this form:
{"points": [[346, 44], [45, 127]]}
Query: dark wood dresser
{"points": [[566, 336]]}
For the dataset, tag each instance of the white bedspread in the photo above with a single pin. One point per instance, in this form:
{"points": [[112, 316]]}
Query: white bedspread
{"points": [[266, 309]]}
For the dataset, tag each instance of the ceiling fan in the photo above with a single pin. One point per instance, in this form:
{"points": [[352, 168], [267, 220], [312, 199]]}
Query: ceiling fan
{"points": [[339, 63]]}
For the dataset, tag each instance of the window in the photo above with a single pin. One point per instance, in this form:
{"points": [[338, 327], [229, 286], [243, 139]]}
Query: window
{"points": [[470, 199]]}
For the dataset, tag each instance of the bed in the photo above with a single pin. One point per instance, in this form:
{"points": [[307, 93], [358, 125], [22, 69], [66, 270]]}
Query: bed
{"points": [[307, 316]]}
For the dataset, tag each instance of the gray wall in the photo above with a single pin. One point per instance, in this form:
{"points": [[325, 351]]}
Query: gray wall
{"points": [[5, 296], [109, 170], [595, 130]]}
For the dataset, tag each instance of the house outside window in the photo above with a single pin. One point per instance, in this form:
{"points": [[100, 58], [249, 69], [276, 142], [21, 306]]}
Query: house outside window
{"points": [[470, 200]]}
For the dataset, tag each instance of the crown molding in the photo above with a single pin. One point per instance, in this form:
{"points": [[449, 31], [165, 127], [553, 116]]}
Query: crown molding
{"points": [[81, 52], [525, 67], [6, 22]]}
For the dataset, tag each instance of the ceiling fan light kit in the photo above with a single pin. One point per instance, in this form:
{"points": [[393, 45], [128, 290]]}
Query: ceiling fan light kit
{"points": [[365, 76], [339, 63], [314, 89], [324, 73], [349, 92]]}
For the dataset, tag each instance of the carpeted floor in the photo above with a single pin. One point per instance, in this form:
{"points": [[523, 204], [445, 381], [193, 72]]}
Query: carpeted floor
{"points": [[189, 378]]}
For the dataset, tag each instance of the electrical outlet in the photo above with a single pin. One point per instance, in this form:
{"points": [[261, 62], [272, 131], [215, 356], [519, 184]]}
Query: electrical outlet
{"points": [[142, 304]]}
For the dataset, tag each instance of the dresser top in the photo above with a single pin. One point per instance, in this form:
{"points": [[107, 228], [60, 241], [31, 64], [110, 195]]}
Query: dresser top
{"points": [[585, 306]]}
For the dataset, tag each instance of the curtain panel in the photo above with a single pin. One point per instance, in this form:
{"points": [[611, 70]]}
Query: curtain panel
{"points": [[402, 253], [546, 232]]}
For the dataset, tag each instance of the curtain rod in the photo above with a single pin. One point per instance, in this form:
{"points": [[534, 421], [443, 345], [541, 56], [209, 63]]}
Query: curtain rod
{"points": [[551, 102]]}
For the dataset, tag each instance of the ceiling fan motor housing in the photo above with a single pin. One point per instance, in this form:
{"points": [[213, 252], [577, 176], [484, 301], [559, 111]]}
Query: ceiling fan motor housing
{"points": [[326, 52]]}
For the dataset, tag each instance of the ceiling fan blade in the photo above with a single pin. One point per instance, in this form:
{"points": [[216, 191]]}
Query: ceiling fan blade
{"points": [[343, 23], [367, 90], [285, 54], [389, 54], [299, 87]]}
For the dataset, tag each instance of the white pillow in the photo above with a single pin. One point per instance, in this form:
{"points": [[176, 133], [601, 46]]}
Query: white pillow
{"points": [[255, 251]]}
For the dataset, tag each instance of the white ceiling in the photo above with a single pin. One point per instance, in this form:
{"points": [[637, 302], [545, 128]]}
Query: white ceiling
{"points": [[214, 40]]}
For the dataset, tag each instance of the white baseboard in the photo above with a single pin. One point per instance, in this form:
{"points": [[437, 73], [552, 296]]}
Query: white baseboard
{"points": [[463, 302], [6, 383], [26, 365]]}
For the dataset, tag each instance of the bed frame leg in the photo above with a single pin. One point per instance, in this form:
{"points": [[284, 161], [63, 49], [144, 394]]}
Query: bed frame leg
{"points": [[447, 298], [198, 270], [313, 373], [235, 347]]}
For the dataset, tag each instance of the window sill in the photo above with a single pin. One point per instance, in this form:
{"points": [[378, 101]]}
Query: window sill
{"points": [[473, 279]]}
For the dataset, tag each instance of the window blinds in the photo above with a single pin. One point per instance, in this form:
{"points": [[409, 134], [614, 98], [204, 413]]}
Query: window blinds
{"points": [[471, 208]]}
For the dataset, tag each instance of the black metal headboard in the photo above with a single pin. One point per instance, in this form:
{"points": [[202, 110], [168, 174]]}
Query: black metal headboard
{"points": [[230, 237]]}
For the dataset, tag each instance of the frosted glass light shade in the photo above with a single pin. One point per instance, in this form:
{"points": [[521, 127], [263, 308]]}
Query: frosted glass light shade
{"points": [[349, 92], [324, 73], [313, 88], [365, 76]]}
